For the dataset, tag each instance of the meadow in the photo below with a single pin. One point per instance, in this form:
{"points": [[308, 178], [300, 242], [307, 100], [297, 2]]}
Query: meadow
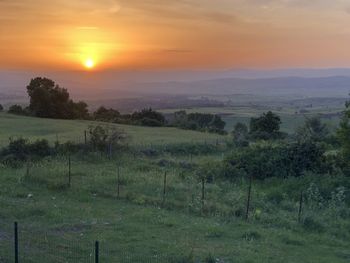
{"points": [[59, 222], [73, 130]]}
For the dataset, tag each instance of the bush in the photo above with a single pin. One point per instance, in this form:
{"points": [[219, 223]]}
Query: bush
{"points": [[17, 109], [282, 160], [20, 150], [150, 122]]}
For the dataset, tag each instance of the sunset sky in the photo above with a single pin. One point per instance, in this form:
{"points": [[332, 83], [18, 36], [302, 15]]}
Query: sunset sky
{"points": [[156, 34]]}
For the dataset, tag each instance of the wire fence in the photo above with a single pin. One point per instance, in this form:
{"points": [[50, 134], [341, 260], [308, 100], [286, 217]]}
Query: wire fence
{"points": [[22, 245]]}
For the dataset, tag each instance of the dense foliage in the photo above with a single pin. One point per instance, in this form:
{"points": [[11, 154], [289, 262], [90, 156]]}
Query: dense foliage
{"points": [[21, 150], [199, 121], [18, 110], [49, 100], [281, 160], [267, 126]]}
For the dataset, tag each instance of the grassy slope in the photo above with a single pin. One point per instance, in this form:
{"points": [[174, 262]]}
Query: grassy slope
{"points": [[33, 128], [63, 221]]}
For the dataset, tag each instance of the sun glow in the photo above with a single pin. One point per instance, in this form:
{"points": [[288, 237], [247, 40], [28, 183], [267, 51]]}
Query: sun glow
{"points": [[89, 63]]}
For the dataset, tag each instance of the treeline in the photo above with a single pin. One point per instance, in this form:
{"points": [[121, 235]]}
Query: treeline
{"points": [[49, 100]]}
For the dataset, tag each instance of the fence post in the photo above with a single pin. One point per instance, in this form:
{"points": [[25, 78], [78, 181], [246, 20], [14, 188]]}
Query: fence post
{"points": [[118, 181], [85, 137], [300, 206], [69, 171], [203, 194], [16, 242], [27, 168], [97, 251], [164, 189], [248, 198]]}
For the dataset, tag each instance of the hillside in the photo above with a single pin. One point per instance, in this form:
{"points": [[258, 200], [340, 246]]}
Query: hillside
{"points": [[121, 203], [73, 130]]}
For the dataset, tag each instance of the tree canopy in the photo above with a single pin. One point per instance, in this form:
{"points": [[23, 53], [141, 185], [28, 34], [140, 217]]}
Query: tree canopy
{"points": [[49, 100], [267, 126]]}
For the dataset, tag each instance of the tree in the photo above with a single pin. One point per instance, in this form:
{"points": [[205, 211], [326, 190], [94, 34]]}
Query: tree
{"points": [[49, 100], [205, 122], [1, 108], [105, 138], [17, 109], [343, 133], [148, 117], [108, 115], [267, 126], [240, 134], [313, 130], [216, 124]]}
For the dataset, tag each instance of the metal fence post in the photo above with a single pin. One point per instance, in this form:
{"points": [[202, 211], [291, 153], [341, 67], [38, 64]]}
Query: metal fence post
{"points": [[300, 206], [118, 181], [16, 242], [69, 171], [248, 198], [97, 251], [164, 189]]}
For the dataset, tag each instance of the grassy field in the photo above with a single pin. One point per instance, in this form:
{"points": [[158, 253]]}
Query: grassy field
{"points": [[73, 130], [59, 223]]}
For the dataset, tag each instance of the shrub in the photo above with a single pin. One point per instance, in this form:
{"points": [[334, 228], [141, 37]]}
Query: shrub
{"points": [[282, 160], [17, 109], [150, 122], [20, 149]]}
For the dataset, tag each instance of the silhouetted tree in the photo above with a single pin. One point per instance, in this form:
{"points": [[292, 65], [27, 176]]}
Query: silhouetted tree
{"points": [[148, 117], [1, 108], [108, 115], [51, 101], [17, 109]]}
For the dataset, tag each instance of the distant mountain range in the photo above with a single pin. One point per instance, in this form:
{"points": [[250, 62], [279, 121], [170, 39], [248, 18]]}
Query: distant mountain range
{"points": [[121, 84]]}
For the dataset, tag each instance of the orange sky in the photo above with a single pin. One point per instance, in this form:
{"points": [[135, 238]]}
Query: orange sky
{"points": [[154, 34]]}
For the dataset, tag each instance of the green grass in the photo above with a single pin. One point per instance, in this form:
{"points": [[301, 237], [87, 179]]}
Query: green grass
{"points": [[73, 130], [60, 223], [63, 222]]}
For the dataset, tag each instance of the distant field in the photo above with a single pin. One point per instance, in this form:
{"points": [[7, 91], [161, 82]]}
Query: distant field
{"points": [[290, 120], [64, 130]]}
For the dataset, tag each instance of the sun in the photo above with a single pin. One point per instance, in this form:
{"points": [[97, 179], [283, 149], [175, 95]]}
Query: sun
{"points": [[89, 63]]}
